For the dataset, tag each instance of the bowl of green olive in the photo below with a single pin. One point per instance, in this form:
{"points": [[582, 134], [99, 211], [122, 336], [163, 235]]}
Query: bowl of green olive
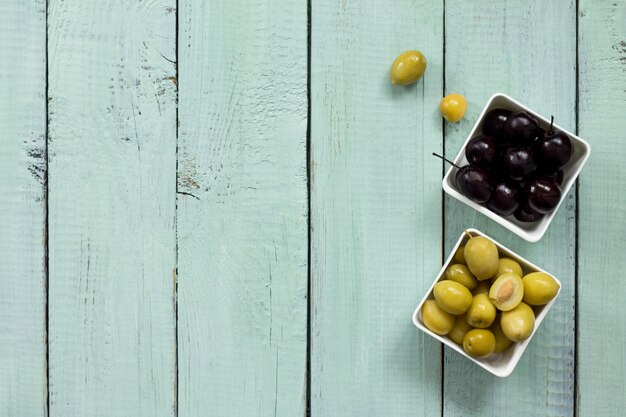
{"points": [[487, 302]]}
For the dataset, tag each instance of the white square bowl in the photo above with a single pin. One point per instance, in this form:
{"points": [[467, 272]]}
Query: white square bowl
{"points": [[499, 364], [533, 231]]}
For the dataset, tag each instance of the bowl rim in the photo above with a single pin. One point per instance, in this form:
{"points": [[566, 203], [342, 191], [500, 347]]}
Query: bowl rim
{"points": [[530, 236], [509, 367]]}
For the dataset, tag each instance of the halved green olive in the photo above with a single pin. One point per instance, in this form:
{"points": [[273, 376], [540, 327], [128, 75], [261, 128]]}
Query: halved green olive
{"points": [[507, 291]]}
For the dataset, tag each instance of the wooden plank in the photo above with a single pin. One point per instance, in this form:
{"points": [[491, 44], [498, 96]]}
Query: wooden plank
{"points": [[112, 114], [242, 208], [601, 363], [527, 50], [23, 206], [375, 208]]}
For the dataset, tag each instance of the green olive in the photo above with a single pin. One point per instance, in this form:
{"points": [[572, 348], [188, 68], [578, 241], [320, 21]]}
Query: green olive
{"points": [[479, 343], [518, 324], [461, 274], [459, 329], [502, 342], [408, 67], [482, 288], [453, 107], [459, 257], [507, 291], [452, 296], [481, 255], [436, 319], [539, 288], [508, 265], [481, 313]]}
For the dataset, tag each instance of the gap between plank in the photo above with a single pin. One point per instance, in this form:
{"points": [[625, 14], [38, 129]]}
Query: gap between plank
{"points": [[308, 182], [576, 230], [47, 222], [443, 194], [175, 278]]}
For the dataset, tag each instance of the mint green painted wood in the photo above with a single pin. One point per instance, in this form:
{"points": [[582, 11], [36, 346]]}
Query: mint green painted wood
{"points": [[375, 209], [22, 208], [242, 208], [601, 362], [112, 196], [376, 219], [527, 50]]}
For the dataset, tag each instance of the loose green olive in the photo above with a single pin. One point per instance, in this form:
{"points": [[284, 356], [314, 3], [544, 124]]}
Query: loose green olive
{"points": [[436, 319], [502, 342], [481, 313], [408, 67], [461, 274], [518, 324], [459, 330], [452, 296], [479, 343], [481, 255], [459, 256], [453, 107], [508, 265], [507, 291], [482, 288], [539, 288]]}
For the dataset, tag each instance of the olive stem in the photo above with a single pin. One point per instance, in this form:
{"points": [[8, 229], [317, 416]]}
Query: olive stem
{"points": [[447, 160], [551, 123], [468, 234]]}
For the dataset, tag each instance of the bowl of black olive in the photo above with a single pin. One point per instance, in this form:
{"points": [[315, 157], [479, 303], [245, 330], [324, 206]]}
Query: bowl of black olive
{"points": [[516, 167]]}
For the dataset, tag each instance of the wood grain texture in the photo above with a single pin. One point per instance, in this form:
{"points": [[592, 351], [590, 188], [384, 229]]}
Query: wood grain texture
{"points": [[375, 207], [242, 208], [22, 208], [526, 50], [112, 156], [601, 359]]}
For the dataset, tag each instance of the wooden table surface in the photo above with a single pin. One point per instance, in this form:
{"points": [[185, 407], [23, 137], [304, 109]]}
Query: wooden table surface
{"points": [[223, 208]]}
